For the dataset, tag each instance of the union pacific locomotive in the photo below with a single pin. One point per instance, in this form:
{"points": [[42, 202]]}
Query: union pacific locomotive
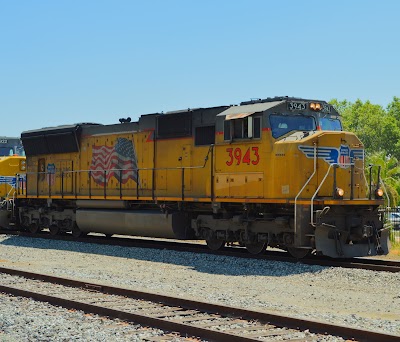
{"points": [[12, 161], [276, 172]]}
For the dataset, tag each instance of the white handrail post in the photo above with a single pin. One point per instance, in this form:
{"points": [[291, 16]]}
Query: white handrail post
{"points": [[301, 190]]}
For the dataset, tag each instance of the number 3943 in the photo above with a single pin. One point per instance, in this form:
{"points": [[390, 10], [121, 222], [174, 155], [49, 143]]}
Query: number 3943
{"points": [[237, 157]]}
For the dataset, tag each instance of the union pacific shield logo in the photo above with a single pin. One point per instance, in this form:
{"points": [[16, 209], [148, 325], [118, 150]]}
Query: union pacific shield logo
{"points": [[343, 156], [51, 174]]}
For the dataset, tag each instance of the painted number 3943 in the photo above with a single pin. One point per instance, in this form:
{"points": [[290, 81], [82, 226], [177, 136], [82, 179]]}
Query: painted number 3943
{"points": [[236, 156]]}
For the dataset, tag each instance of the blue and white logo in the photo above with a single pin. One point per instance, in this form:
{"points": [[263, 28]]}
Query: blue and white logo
{"points": [[10, 180], [343, 156]]}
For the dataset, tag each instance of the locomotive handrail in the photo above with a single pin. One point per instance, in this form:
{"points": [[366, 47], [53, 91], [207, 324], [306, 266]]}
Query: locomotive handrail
{"points": [[134, 169], [323, 181], [380, 181], [319, 187], [386, 193], [316, 191], [8, 194], [301, 190], [63, 172]]}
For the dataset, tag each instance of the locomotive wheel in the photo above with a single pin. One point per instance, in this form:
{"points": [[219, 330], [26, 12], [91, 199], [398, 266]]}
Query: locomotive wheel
{"points": [[256, 247], [298, 253], [215, 244], [54, 229], [34, 228], [76, 232]]}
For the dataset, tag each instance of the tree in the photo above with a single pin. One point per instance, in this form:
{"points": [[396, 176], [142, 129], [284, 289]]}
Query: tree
{"points": [[393, 109], [389, 173], [377, 128], [379, 131]]}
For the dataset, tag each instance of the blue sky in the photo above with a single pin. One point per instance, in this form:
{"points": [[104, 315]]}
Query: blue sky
{"points": [[63, 62]]}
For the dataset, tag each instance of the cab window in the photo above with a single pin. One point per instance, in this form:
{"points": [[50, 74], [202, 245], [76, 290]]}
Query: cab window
{"points": [[246, 128], [282, 124]]}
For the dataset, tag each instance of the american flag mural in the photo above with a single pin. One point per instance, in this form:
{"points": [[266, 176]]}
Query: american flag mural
{"points": [[344, 156], [113, 158]]}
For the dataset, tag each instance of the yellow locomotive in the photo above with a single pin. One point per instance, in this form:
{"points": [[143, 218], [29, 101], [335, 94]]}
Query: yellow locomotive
{"points": [[12, 162], [276, 172]]}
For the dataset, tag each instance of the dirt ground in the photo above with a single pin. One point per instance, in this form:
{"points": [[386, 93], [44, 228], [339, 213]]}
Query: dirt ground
{"points": [[394, 253]]}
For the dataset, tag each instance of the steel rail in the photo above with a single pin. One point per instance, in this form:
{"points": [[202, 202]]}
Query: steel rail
{"points": [[182, 328], [238, 252], [194, 330]]}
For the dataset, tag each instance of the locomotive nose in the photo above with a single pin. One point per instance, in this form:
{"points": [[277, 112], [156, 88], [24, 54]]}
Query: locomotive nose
{"points": [[338, 163]]}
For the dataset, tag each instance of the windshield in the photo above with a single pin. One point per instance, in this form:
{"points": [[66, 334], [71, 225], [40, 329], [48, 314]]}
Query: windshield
{"points": [[330, 124], [12, 150], [282, 124]]}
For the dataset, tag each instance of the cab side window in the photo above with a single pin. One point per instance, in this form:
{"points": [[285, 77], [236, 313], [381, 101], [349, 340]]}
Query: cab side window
{"points": [[257, 127], [245, 128]]}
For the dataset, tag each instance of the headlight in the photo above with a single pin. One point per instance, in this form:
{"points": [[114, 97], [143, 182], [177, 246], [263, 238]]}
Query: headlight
{"points": [[339, 193], [315, 106], [22, 165], [378, 193]]}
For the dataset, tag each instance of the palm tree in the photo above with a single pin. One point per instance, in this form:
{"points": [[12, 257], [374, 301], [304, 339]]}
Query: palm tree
{"points": [[389, 173]]}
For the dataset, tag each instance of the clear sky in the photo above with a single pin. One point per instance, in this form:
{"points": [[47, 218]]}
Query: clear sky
{"points": [[63, 62]]}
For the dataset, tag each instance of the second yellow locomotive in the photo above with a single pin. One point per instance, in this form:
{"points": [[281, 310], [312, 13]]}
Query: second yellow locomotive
{"points": [[12, 161], [277, 172]]}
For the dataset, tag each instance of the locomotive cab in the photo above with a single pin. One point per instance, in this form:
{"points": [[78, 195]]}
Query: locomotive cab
{"points": [[312, 173]]}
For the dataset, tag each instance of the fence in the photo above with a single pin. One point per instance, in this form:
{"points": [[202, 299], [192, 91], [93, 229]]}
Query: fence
{"points": [[392, 218]]}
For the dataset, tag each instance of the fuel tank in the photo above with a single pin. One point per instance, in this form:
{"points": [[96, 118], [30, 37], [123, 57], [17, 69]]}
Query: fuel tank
{"points": [[133, 222]]}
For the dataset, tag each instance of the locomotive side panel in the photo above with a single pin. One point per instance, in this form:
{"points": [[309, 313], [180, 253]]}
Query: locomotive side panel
{"points": [[51, 174], [184, 157], [171, 156], [239, 172], [241, 156], [108, 165]]}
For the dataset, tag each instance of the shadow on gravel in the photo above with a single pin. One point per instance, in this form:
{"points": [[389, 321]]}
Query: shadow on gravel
{"points": [[201, 262]]}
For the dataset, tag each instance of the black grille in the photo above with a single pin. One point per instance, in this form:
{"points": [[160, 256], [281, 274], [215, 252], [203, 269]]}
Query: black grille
{"points": [[52, 140], [204, 135], [174, 125]]}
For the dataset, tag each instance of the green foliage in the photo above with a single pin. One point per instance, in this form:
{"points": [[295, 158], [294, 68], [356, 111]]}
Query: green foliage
{"points": [[394, 108], [389, 172], [379, 130]]}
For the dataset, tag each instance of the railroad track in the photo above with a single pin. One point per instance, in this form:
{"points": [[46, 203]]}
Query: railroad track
{"points": [[188, 318], [359, 263]]}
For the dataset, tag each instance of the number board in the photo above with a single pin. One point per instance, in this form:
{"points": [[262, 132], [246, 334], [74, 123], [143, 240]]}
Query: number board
{"points": [[3, 141], [326, 108], [297, 105]]}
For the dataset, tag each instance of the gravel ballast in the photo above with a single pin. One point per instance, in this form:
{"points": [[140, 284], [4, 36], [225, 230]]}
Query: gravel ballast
{"points": [[351, 297], [23, 319]]}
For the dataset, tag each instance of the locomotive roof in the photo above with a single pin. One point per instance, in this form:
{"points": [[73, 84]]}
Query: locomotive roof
{"points": [[9, 138], [60, 139], [249, 109], [60, 128], [279, 98]]}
